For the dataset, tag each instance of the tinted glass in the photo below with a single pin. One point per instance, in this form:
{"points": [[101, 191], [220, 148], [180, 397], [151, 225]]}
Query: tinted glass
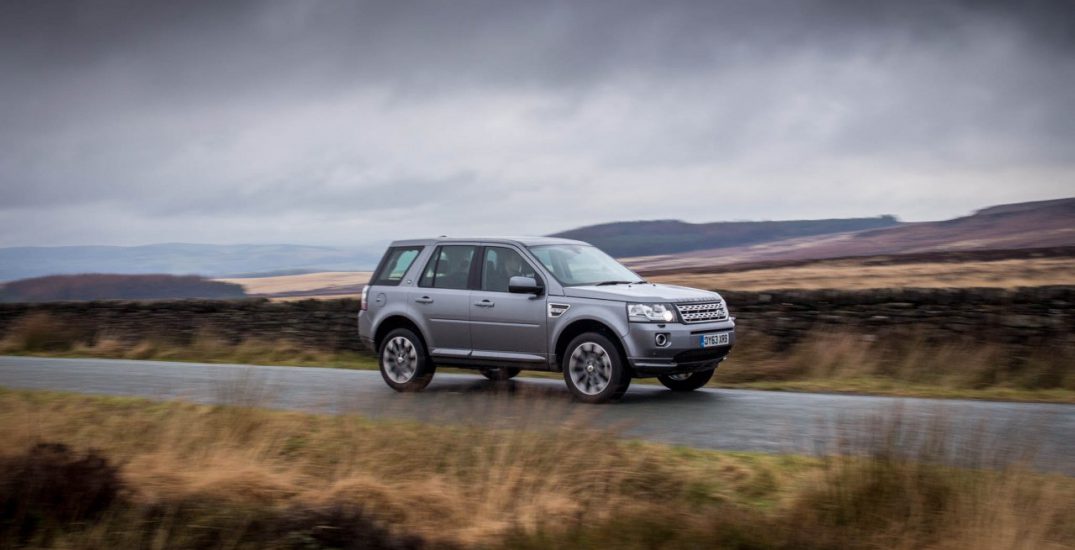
{"points": [[501, 264], [449, 267], [395, 265]]}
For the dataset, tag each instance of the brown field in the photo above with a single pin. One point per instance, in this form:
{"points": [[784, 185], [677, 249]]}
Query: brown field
{"points": [[856, 274], [327, 284], [848, 274]]}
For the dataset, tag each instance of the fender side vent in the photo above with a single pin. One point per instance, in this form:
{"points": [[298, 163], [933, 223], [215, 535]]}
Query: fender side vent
{"points": [[556, 310]]}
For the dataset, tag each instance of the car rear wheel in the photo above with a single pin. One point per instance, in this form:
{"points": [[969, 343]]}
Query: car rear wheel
{"points": [[498, 374], [686, 381], [405, 366], [594, 370]]}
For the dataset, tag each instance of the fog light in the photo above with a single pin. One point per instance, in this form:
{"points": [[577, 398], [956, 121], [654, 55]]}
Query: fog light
{"points": [[661, 339]]}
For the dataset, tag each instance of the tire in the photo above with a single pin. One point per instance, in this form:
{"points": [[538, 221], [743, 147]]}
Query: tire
{"points": [[686, 382], [405, 366], [593, 369], [500, 374]]}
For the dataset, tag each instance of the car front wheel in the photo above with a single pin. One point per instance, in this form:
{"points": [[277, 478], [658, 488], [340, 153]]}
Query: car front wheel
{"points": [[687, 381], [594, 370], [405, 366]]}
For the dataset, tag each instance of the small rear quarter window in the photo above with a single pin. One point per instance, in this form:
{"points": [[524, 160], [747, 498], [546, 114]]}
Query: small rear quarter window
{"points": [[394, 265]]}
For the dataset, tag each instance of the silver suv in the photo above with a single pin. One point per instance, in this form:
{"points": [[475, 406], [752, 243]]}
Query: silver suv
{"points": [[504, 304]]}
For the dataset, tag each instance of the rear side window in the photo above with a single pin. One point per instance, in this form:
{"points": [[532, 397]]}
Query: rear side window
{"points": [[449, 267], [394, 265]]}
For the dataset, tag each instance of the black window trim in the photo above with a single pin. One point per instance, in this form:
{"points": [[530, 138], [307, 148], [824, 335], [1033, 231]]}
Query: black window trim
{"points": [[375, 278], [474, 278], [477, 277], [435, 258]]}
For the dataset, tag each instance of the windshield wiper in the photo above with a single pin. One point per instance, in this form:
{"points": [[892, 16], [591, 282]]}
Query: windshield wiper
{"points": [[607, 283]]}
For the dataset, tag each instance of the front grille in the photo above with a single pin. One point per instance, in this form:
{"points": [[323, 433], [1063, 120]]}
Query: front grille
{"points": [[700, 313]]}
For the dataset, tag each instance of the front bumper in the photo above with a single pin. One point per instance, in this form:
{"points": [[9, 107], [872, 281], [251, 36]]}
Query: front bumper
{"points": [[682, 354]]}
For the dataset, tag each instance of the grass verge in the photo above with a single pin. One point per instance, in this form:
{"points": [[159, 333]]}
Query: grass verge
{"points": [[904, 363], [901, 364]]}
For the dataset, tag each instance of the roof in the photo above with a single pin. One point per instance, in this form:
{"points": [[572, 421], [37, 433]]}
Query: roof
{"points": [[522, 241]]}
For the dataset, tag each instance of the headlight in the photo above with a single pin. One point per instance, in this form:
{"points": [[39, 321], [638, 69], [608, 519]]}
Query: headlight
{"points": [[650, 313]]}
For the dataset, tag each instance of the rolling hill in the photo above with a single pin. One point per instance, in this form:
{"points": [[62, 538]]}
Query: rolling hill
{"points": [[1042, 224], [117, 287], [645, 238]]}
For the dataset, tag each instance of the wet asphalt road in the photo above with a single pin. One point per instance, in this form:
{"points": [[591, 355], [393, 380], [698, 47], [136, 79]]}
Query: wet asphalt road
{"points": [[710, 418]]}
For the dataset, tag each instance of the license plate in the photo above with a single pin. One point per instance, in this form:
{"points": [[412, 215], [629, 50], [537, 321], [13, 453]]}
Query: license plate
{"points": [[718, 339]]}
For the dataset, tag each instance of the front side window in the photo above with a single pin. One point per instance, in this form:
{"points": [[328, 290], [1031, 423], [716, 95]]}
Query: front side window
{"points": [[449, 267], [500, 265], [395, 264], [576, 264]]}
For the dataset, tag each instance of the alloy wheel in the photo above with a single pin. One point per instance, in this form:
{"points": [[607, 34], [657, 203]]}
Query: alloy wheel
{"points": [[590, 368], [400, 360]]}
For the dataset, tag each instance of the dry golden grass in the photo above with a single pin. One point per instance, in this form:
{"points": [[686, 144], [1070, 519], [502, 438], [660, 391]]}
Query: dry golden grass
{"points": [[328, 283], [200, 476], [854, 275], [903, 363], [456, 484], [41, 334]]}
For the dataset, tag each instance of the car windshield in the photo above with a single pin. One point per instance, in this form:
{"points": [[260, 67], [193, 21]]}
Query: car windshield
{"points": [[576, 264]]}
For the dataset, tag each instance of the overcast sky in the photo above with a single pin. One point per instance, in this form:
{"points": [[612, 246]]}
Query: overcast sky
{"points": [[353, 123]]}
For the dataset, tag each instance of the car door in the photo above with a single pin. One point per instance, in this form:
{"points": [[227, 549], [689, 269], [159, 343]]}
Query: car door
{"points": [[507, 326], [443, 299]]}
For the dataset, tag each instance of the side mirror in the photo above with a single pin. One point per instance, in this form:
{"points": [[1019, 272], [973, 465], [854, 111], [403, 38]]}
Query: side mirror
{"points": [[524, 285]]}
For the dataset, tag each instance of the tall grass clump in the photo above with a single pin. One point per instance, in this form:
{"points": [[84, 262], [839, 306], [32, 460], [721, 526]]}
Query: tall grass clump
{"points": [[850, 360], [51, 486], [902, 484], [40, 332], [894, 483]]}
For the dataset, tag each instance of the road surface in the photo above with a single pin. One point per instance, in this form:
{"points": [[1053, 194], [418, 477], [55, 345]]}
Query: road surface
{"points": [[710, 418]]}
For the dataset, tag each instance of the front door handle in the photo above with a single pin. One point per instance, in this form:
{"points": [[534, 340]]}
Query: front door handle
{"points": [[485, 303], [424, 300]]}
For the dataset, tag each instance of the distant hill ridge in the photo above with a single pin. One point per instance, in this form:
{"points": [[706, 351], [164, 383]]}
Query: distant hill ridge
{"points": [[1031, 225], [211, 260], [91, 286], [647, 238]]}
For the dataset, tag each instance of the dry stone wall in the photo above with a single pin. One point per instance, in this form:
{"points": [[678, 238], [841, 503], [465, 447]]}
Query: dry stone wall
{"points": [[1028, 316]]}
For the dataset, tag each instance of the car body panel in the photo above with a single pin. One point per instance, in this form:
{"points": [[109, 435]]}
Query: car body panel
{"points": [[642, 292], [502, 322], [447, 315]]}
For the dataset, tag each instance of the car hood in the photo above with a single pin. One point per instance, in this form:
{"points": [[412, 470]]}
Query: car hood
{"points": [[642, 292]]}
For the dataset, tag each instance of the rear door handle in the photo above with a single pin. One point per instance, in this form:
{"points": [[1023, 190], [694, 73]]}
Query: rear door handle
{"points": [[424, 300], [485, 303]]}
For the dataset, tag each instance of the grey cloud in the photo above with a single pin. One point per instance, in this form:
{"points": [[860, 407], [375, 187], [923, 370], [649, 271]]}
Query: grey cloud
{"points": [[338, 116]]}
